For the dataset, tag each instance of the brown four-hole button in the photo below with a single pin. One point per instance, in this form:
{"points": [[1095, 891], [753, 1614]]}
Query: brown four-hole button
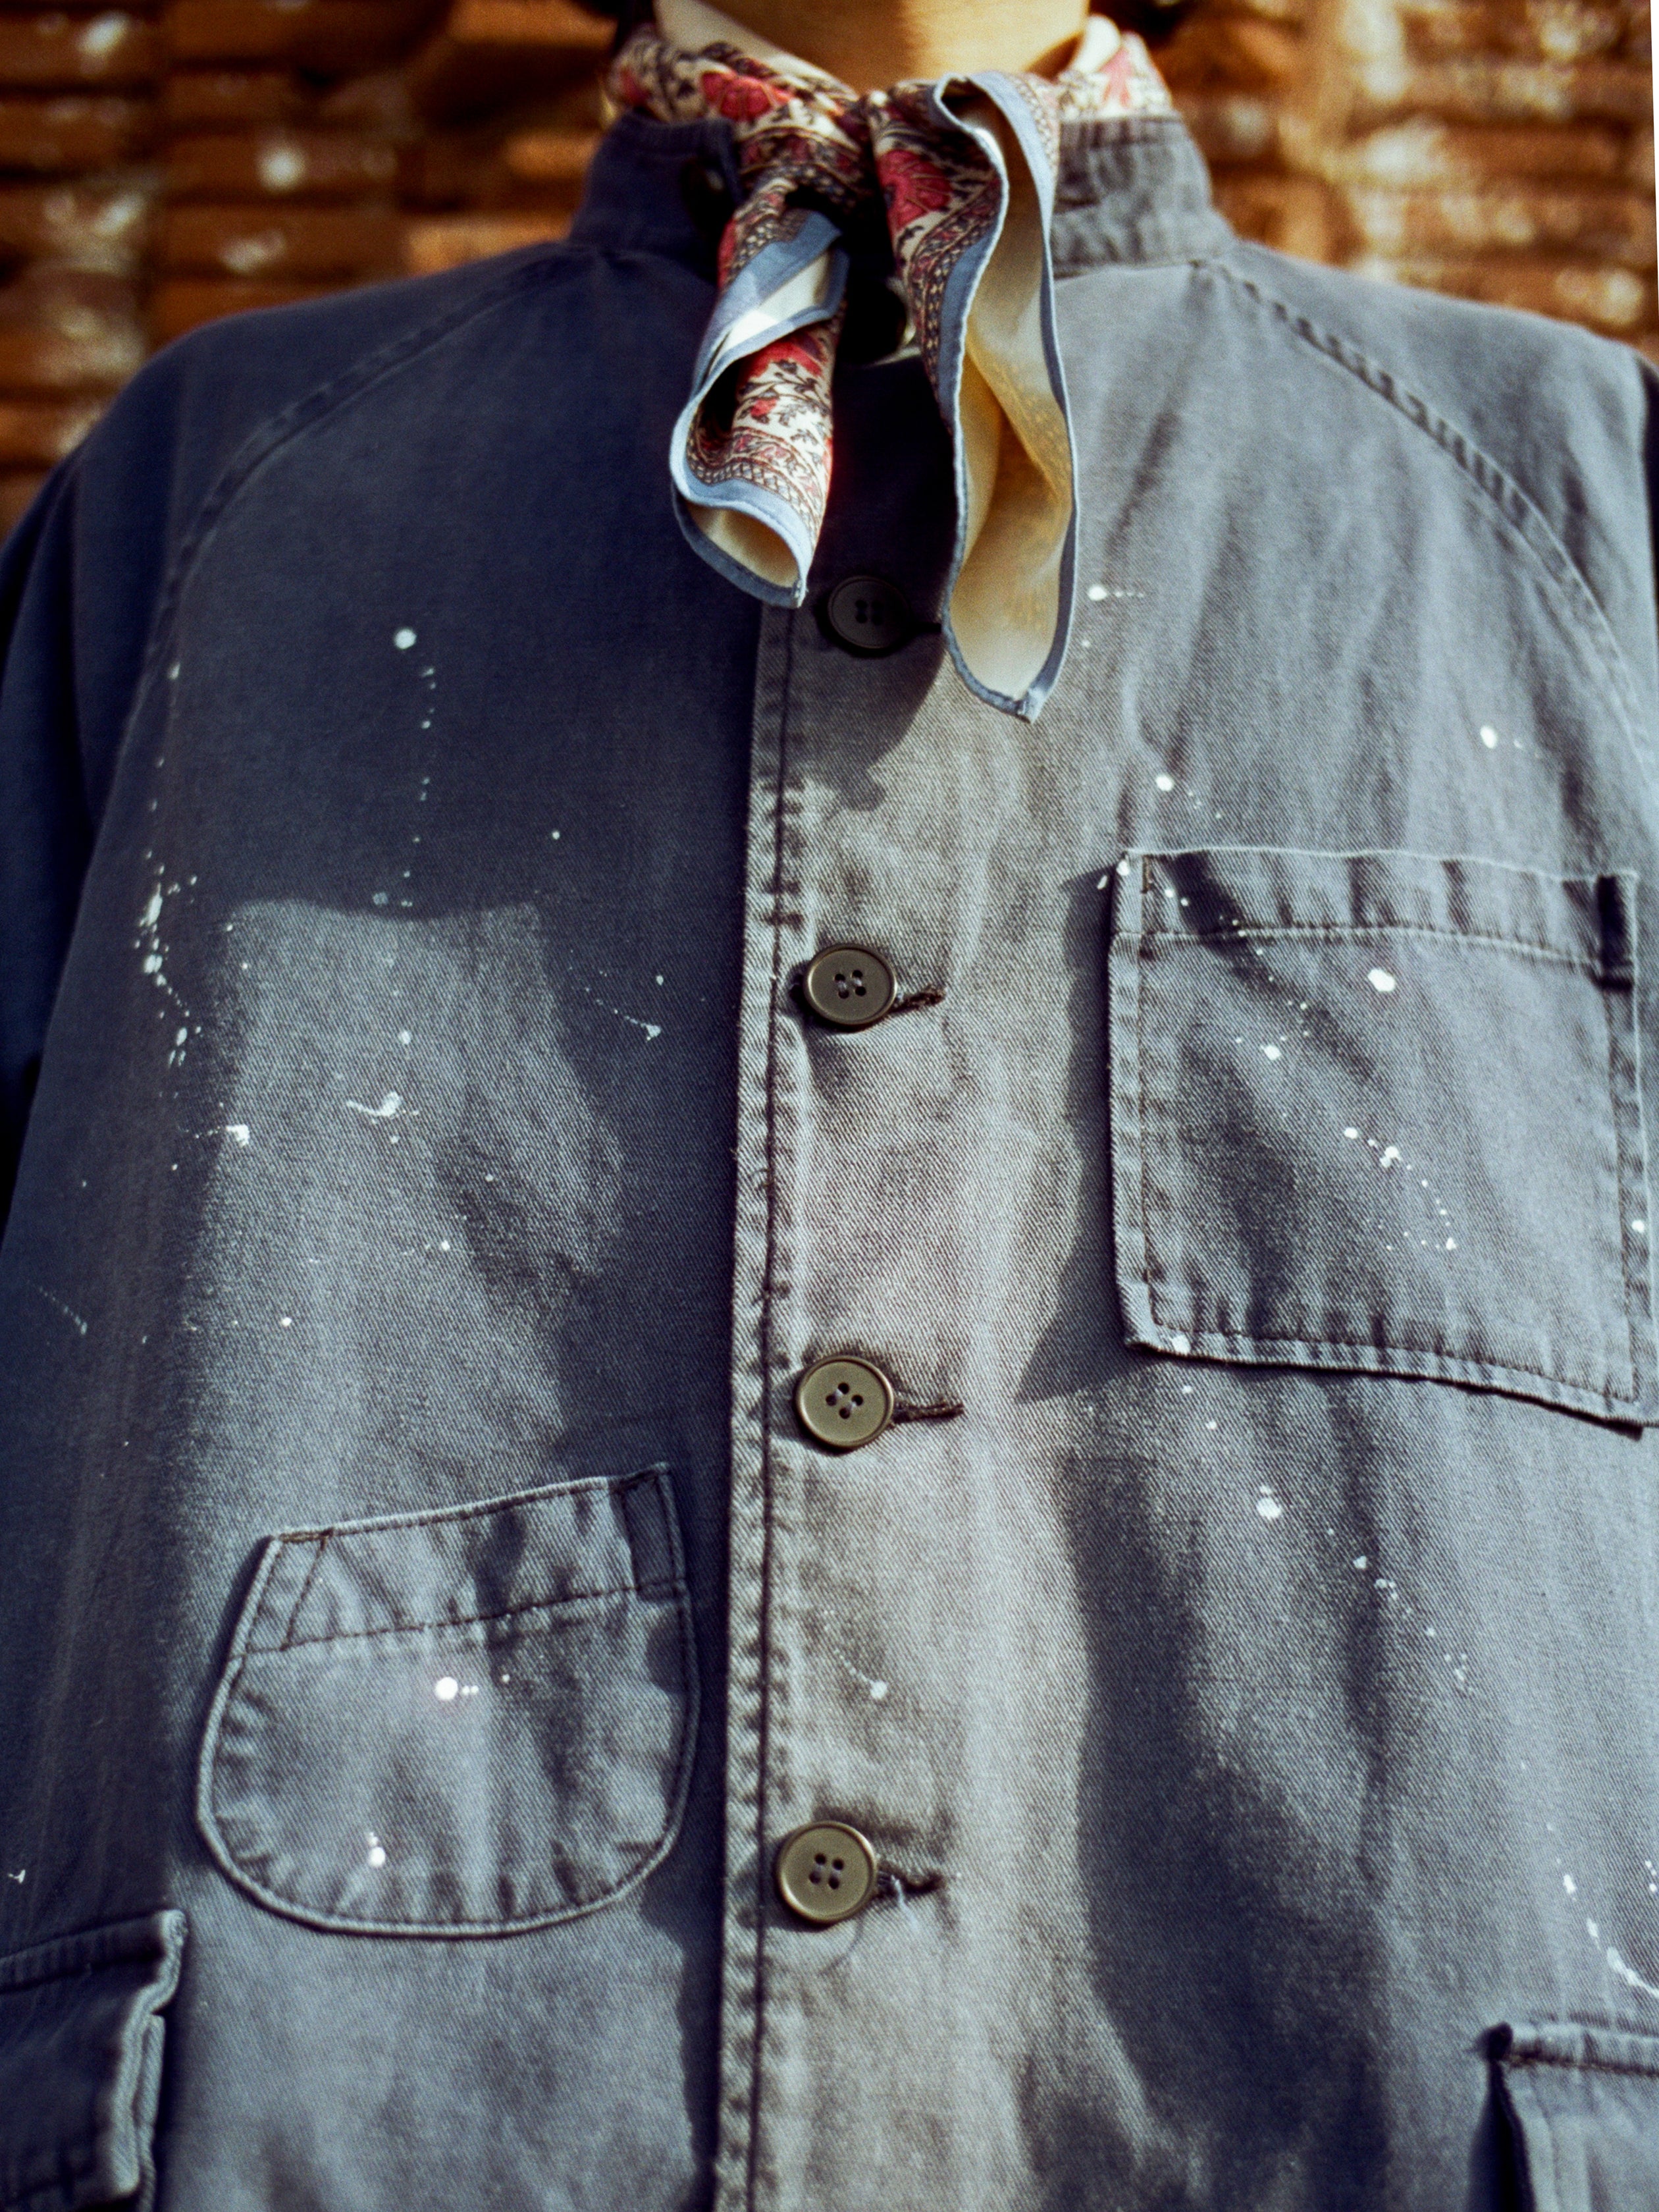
{"points": [[844, 1402], [849, 986], [826, 1872]]}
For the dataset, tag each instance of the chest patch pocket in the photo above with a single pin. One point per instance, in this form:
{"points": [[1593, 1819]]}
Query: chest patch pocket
{"points": [[1381, 1112]]}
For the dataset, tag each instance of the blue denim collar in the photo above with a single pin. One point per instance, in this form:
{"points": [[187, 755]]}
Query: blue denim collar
{"points": [[1132, 189]]}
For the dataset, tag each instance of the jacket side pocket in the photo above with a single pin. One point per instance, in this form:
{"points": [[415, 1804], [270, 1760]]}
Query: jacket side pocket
{"points": [[1581, 2107], [80, 2065], [458, 1723]]}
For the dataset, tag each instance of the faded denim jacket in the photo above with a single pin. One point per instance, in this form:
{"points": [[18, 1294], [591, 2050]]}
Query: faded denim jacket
{"points": [[424, 1616]]}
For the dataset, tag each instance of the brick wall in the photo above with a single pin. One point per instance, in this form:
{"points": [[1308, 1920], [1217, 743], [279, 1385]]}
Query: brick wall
{"points": [[165, 163]]}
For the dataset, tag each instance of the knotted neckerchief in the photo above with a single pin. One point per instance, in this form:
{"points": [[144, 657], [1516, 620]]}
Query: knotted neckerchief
{"points": [[967, 167]]}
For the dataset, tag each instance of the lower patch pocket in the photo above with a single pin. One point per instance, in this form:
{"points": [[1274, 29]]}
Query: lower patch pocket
{"points": [[458, 1723], [1381, 1112], [1581, 2106], [80, 2065]]}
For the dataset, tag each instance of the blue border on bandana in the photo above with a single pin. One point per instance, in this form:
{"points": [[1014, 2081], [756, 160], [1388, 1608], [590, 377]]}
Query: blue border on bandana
{"points": [[770, 270]]}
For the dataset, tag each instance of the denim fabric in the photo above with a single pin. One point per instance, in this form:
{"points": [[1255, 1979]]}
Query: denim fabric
{"points": [[507, 1692], [1583, 2107], [407, 849], [80, 2041], [1315, 1142]]}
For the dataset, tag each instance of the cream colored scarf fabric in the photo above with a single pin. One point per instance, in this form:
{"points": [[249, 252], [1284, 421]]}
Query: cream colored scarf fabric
{"points": [[965, 167]]}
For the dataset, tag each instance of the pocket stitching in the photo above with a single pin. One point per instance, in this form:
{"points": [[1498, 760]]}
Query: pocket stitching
{"points": [[1345, 931], [390, 1930], [1610, 977], [466, 1620], [236, 1664]]}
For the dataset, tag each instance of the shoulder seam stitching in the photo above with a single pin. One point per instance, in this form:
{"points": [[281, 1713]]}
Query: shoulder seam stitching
{"points": [[277, 429], [1474, 464]]}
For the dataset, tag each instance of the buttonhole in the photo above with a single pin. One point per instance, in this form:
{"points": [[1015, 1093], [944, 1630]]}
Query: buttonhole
{"points": [[937, 1409]]}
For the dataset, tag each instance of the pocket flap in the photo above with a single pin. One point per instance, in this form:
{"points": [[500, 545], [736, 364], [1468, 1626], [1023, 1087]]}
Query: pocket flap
{"points": [[81, 2065], [460, 1721], [1582, 2105]]}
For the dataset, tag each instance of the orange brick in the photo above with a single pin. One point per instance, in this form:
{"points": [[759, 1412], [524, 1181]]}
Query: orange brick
{"points": [[183, 303], [101, 226], [1548, 30], [1487, 90], [1247, 55], [44, 50], [1292, 215], [1615, 300], [553, 158], [330, 37], [447, 169], [1425, 153], [345, 244], [493, 50], [218, 99], [16, 493], [1235, 128], [280, 165], [35, 434], [40, 361], [446, 242], [63, 136], [1616, 228]]}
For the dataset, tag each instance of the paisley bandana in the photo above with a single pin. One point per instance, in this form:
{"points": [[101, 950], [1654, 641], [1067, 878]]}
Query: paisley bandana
{"points": [[966, 169]]}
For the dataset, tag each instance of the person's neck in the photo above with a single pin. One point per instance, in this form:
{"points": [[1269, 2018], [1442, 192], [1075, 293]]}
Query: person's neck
{"points": [[871, 44]]}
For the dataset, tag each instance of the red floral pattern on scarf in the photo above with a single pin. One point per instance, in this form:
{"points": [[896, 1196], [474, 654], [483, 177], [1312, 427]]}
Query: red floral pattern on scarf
{"points": [[806, 140]]}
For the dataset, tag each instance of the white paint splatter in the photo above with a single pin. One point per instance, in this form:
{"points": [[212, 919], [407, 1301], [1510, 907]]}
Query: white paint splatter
{"points": [[1628, 1975], [1388, 1157], [1361, 1564], [1165, 782], [403, 639], [1489, 737], [1382, 981], [1272, 1051], [387, 1111], [651, 1028], [1269, 1506], [878, 1692], [1569, 1885], [1640, 1228], [1351, 1135], [446, 1689], [1098, 591], [67, 1312], [1180, 1342], [376, 1850]]}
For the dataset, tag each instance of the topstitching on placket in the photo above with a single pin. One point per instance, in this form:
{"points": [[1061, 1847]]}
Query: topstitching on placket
{"points": [[765, 895]]}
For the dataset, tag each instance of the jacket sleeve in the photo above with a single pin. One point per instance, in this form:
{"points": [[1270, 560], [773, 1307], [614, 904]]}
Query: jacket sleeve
{"points": [[46, 820]]}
